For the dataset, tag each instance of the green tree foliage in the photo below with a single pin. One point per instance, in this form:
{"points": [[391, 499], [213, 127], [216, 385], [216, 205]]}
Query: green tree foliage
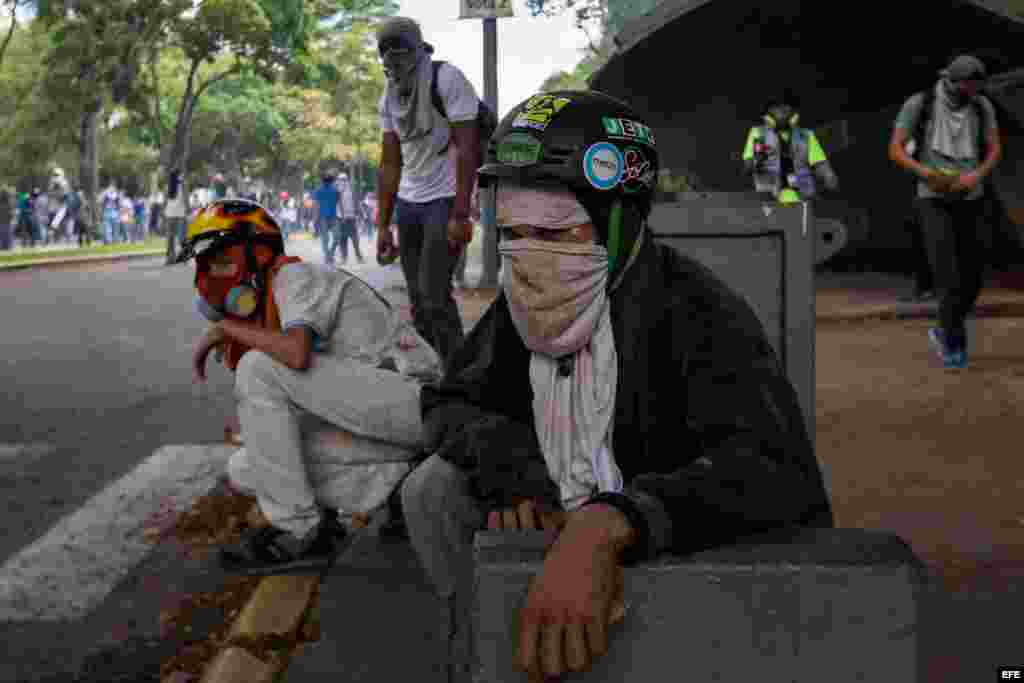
{"points": [[267, 89], [1016, 7], [25, 147], [591, 16], [578, 77]]}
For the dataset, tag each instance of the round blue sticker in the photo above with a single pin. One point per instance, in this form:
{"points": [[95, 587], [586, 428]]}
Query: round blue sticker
{"points": [[603, 165]]}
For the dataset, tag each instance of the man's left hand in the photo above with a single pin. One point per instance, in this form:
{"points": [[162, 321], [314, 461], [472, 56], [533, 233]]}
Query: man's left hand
{"points": [[571, 602], [460, 233], [966, 182]]}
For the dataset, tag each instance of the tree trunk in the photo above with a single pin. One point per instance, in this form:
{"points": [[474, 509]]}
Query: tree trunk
{"points": [[178, 160], [89, 165]]}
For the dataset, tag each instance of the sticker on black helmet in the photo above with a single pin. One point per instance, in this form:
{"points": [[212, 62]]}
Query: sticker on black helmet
{"points": [[603, 165], [627, 129], [519, 149], [638, 172], [539, 111]]}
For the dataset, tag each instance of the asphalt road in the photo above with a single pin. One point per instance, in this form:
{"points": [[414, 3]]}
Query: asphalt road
{"points": [[97, 377]]}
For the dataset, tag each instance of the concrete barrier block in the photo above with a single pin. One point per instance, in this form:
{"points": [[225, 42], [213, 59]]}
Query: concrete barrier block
{"points": [[796, 607], [277, 606], [235, 665]]}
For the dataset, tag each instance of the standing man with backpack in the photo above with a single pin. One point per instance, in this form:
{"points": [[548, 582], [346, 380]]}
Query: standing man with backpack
{"points": [[948, 136], [434, 131]]}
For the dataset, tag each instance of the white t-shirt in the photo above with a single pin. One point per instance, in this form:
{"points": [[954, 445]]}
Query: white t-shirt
{"points": [[349, 319], [175, 208], [346, 202], [427, 175]]}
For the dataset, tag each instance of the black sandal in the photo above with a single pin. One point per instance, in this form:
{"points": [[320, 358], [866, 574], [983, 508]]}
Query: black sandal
{"points": [[269, 550]]}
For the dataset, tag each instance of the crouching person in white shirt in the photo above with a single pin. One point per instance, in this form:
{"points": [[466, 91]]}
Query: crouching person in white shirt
{"points": [[303, 340]]}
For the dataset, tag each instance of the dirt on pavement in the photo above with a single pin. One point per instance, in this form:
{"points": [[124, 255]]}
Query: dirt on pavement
{"points": [[929, 453]]}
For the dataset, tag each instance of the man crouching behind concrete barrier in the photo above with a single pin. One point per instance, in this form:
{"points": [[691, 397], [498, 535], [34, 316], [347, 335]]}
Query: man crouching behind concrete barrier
{"points": [[304, 338], [615, 390]]}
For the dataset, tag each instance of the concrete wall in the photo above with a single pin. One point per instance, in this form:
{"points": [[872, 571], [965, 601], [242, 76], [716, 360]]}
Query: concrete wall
{"points": [[791, 607]]}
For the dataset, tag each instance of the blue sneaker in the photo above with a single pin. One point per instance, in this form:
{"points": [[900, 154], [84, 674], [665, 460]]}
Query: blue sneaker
{"points": [[950, 358], [955, 359]]}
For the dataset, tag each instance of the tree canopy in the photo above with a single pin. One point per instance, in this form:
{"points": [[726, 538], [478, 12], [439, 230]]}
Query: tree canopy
{"points": [[261, 89]]}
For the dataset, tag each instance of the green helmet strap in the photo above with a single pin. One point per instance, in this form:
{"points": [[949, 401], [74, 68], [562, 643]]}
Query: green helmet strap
{"points": [[614, 235]]}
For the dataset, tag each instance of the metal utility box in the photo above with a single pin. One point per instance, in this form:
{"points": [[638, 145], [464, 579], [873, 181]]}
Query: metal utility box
{"points": [[764, 252]]}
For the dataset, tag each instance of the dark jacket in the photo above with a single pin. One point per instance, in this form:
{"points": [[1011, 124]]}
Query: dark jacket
{"points": [[708, 433]]}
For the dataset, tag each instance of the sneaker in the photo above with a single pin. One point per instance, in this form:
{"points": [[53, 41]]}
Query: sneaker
{"points": [[956, 360], [950, 358], [937, 340], [269, 550]]}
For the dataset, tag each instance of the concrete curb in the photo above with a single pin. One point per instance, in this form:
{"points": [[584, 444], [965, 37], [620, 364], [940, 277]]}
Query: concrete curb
{"points": [[277, 611], [80, 260], [917, 312]]}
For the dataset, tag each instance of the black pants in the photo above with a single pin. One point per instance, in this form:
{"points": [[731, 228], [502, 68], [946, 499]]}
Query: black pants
{"points": [[428, 264], [923, 280], [957, 234]]}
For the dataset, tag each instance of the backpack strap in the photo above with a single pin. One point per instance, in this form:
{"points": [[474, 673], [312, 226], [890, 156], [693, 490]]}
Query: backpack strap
{"points": [[435, 94], [435, 97]]}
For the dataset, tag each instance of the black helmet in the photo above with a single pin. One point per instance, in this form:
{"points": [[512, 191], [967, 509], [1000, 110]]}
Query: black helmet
{"points": [[587, 141]]}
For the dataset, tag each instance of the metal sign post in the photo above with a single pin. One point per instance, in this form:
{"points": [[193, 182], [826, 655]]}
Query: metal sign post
{"points": [[489, 11]]}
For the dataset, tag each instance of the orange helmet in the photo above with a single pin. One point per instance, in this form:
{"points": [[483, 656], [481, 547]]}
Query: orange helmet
{"points": [[225, 222]]}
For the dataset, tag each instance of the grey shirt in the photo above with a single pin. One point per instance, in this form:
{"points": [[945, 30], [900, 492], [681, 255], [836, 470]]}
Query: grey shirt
{"points": [[350, 320], [907, 120]]}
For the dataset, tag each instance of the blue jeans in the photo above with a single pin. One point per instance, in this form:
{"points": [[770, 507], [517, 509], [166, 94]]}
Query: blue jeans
{"points": [[428, 264], [42, 229], [111, 228], [6, 234], [330, 235]]}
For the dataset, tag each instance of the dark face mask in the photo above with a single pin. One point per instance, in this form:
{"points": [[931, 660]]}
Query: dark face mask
{"points": [[397, 57]]}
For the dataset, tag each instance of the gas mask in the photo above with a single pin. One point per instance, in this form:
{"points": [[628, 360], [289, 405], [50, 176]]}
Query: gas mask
{"points": [[228, 290], [782, 117]]}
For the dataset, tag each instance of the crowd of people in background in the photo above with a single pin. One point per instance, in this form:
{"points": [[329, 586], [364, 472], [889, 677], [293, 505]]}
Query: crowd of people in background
{"points": [[56, 216]]}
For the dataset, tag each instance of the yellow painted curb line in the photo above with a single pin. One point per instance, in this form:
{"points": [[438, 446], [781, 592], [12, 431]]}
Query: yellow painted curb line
{"points": [[235, 662]]}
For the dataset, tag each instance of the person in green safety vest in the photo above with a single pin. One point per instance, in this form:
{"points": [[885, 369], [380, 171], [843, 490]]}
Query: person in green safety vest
{"points": [[786, 161]]}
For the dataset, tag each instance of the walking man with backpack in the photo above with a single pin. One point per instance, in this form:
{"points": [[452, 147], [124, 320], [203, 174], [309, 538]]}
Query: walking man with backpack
{"points": [[948, 136], [434, 129]]}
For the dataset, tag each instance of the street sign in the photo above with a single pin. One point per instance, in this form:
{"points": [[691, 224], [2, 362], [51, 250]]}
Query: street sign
{"points": [[485, 9]]}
